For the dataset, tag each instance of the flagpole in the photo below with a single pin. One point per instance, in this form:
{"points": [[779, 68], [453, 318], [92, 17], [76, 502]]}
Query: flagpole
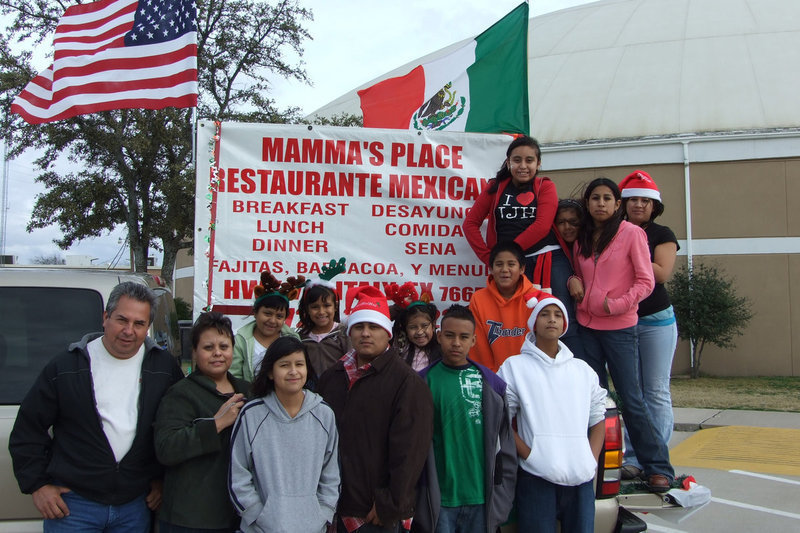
{"points": [[194, 137], [4, 196]]}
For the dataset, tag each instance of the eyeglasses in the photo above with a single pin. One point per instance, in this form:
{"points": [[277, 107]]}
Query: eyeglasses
{"points": [[419, 327]]}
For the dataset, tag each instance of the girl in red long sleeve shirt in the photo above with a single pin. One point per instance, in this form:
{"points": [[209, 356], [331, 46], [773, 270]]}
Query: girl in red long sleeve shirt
{"points": [[520, 206]]}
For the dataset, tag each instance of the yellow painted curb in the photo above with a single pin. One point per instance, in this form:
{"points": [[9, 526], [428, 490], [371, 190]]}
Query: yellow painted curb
{"points": [[765, 450]]}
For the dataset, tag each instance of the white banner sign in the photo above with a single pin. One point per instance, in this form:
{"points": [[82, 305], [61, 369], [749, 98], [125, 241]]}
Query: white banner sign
{"points": [[291, 198]]}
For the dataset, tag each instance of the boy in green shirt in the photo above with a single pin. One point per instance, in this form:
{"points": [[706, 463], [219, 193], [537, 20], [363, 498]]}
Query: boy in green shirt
{"points": [[473, 444]]}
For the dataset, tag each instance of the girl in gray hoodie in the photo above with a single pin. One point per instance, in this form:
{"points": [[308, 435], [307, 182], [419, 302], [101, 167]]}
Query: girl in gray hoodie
{"points": [[284, 474]]}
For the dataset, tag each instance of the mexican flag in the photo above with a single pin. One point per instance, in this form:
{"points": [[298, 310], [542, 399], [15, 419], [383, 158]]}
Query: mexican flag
{"points": [[480, 87]]}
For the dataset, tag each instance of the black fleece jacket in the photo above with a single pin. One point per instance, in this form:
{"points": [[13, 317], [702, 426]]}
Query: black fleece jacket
{"points": [[78, 454]]}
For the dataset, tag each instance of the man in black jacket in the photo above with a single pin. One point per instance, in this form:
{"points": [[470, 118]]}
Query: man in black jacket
{"points": [[82, 443], [384, 413]]}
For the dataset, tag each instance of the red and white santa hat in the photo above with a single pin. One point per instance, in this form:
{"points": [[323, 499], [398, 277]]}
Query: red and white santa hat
{"points": [[639, 183], [538, 300], [371, 307]]}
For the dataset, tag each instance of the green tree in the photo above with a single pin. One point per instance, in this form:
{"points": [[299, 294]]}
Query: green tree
{"points": [[341, 119], [707, 309], [15, 72], [135, 167], [183, 309]]}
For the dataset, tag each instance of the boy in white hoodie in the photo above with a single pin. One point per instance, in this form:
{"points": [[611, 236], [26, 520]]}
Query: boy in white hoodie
{"points": [[560, 411]]}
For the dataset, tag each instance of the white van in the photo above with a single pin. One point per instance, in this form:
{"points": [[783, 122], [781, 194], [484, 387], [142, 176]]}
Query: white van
{"points": [[43, 311]]}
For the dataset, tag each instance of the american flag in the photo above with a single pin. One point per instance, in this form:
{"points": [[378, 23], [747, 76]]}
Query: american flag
{"points": [[116, 54]]}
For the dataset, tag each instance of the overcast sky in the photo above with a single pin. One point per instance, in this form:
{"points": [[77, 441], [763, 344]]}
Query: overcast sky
{"points": [[353, 42]]}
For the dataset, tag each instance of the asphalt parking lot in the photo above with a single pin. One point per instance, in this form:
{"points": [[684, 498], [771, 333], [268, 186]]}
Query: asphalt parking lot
{"points": [[752, 469]]}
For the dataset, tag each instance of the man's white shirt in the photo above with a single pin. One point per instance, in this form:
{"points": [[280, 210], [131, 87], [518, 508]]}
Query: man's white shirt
{"points": [[117, 383]]}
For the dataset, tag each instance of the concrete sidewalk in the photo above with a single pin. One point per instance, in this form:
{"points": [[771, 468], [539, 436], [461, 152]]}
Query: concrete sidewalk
{"points": [[690, 419]]}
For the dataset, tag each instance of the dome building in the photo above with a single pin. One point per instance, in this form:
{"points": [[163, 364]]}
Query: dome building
{"points": [[703, 95]]}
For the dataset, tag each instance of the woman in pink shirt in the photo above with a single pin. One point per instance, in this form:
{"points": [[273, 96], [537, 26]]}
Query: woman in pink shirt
{"points": [[612, 275]]}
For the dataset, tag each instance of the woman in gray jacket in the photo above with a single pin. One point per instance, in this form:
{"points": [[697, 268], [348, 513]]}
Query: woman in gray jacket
{"points": [[284, 474]]}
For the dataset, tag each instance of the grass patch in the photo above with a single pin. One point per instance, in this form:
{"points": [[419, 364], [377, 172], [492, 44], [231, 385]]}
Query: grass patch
{"points": [[756, 393]]}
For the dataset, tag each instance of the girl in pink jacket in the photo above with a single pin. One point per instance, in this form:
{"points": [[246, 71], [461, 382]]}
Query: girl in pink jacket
{"points": [[612, 275]]}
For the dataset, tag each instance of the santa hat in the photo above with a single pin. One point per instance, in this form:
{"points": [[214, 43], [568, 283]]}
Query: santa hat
{"points": [[639, 183], [538, 300], [371, 307]]}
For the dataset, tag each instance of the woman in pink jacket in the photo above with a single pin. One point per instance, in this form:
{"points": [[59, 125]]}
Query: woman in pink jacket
{"points": [[612, 275]]}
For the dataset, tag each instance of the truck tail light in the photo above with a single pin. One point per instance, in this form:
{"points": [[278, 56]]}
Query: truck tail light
{"points": [[612, 461]]}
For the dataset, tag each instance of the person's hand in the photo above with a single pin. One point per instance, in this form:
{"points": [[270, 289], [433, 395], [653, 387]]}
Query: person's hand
{"points": [[153, 498], [575, 286], [605, 305], [372, 517], [227, 414], [48, 501], [523, 450]]}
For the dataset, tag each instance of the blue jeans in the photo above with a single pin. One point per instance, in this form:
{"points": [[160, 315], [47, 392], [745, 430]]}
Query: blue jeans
{"points": [[656, 350], [464, 519], [620, 351], [87, 516], [541, 504]]}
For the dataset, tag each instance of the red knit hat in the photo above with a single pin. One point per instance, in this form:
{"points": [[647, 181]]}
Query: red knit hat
{"points": [[538, 300], [371, 307], [639, 183]]}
